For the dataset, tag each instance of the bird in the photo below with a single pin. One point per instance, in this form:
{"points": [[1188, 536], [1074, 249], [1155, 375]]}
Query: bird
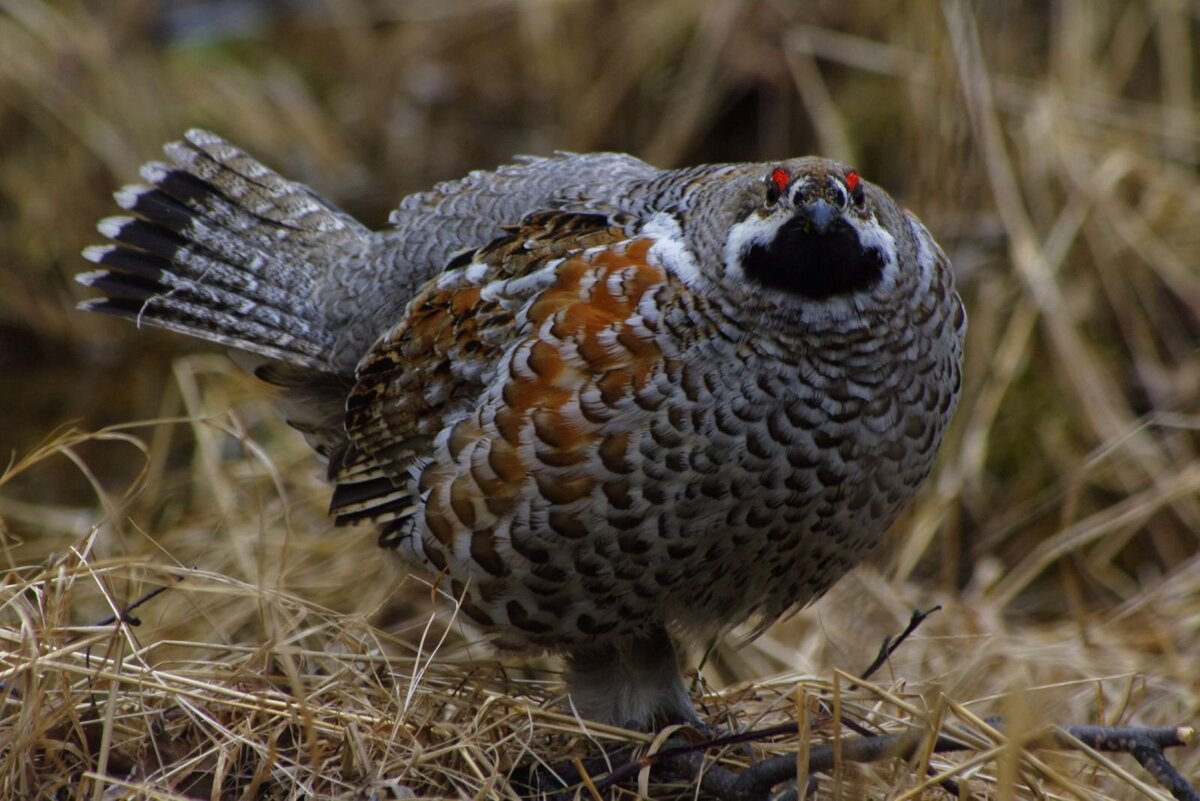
{"points": [[613, 409]]}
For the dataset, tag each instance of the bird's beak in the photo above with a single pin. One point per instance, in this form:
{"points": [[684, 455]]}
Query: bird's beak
{"points": [[819, 214]]}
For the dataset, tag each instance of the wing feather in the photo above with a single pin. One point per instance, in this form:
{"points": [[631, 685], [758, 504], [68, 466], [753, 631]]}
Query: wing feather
{"points": [[431, 369]]}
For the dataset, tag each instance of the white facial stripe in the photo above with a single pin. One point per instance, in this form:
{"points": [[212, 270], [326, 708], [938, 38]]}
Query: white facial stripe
{"points": [[754, 230], [872, 235]]}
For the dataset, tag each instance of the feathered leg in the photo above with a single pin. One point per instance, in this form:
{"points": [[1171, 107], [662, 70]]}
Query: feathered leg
{"points": [[636, 684]]}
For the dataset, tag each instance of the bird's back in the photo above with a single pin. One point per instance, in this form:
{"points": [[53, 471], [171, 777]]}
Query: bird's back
{"points": [[366, 295]]}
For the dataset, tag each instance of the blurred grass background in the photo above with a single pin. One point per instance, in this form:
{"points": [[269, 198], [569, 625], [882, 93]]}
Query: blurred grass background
{"points": [[1051, 147]]}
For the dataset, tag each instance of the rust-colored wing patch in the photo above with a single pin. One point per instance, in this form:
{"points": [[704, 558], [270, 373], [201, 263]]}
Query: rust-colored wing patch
{"points": [[517, 476], [434, 366]]}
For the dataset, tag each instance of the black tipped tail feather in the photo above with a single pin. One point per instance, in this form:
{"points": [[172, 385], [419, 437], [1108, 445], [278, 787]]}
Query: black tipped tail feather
{"points": [[218, 246]]}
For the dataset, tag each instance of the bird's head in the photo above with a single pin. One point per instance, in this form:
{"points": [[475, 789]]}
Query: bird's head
{"points": [[805, 234]]}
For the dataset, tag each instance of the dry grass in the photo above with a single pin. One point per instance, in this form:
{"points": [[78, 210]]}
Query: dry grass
{"points": [[1054, 149]]}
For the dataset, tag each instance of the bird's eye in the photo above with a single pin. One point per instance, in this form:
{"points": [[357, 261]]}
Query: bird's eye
{"points": [[777, 183], [854, 184]]}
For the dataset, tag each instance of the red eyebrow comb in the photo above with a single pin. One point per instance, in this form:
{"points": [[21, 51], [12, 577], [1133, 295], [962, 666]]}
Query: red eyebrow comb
{"points": [[781, 179]]}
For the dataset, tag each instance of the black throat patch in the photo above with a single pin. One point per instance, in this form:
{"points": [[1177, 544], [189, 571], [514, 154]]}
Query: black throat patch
{"points": [[815, 265]]}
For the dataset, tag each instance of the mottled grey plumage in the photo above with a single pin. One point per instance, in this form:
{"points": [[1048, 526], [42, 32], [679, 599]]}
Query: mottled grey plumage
{"points": [[611, 406]]}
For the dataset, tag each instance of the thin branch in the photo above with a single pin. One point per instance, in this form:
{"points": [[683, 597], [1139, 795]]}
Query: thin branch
{"points": [[890, 645], [125, 616], [755, 783]]}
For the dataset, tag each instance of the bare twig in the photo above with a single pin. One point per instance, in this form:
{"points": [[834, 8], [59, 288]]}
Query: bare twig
{"points": [[755, 783], [124, 614], [890, 645]]}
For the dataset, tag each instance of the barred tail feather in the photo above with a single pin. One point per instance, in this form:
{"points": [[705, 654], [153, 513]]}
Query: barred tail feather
{"points": [[218, 246]]}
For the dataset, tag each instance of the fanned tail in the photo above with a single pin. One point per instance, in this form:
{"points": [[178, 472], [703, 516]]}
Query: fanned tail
{"points": [[218, 246]]}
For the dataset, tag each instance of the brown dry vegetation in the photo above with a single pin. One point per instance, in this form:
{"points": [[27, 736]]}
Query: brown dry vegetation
{"points": [[1053, 148]]}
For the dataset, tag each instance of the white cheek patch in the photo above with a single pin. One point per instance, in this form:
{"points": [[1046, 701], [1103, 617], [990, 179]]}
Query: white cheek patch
{"points": [[873, 237], [752, 231]]}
